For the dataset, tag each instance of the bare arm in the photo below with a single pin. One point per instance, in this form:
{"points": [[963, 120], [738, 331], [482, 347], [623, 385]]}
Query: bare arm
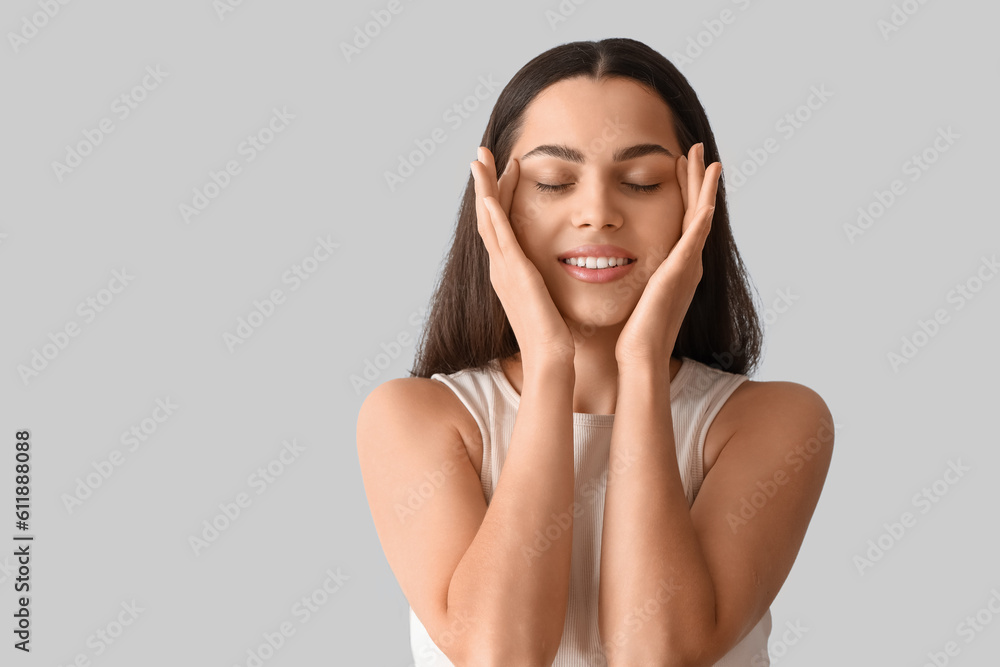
{"points": [[470, 571], [520, 593], [712, 578], [649, 549]]}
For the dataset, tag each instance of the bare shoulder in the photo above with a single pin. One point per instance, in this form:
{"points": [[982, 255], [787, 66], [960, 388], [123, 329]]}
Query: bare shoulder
{"points": [[422, 403], [426, 499], [778, 405]]}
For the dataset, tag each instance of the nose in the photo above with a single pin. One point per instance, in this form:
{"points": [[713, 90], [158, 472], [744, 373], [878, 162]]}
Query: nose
{"points": [[595, 207]]}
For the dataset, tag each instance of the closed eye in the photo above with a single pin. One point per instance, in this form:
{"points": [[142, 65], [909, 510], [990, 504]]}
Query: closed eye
{"points": [[544, 187]]}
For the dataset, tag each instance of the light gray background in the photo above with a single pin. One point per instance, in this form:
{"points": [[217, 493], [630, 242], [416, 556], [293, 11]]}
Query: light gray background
{"points": [[323, 176]]}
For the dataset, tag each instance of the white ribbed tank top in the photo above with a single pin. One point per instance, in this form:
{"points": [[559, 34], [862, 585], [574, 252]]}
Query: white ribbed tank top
{"points": [[697, 393]]}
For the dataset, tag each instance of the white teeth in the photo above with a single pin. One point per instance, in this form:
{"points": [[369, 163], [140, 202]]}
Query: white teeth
{"points": [[597, 262]]}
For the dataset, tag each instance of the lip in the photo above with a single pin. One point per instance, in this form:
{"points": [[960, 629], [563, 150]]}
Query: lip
{"points": [[597, 275], [597, 251]]}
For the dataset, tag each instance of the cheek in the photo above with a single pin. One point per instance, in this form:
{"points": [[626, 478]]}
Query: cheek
{"points": [[662, 226], [526, 210], [673, 210], [676, 215], [524, 220], [666, 208]]}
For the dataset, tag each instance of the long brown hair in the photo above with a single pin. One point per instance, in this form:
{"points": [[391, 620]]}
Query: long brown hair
{"points": [[467, 326]]}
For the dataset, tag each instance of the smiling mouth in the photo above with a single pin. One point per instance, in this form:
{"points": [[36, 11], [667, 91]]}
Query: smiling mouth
{"points": [[597, 263], [598, 272]]}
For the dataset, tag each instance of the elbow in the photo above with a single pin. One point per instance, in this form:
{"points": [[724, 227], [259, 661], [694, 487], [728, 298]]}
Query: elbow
{"points": [[506, 659], [686, 654], [482, 654], [661, 660], [691, 654], [494, 646]]}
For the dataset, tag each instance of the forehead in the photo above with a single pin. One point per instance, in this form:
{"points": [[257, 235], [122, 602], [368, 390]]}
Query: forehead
{"points": [[579, 111]]}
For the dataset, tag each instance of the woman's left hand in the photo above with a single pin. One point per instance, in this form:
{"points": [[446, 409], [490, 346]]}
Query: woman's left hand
{"points": [[651, 330]]}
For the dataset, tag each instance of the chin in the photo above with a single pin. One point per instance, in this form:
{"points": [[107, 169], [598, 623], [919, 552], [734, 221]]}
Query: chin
{"points": [[599, 315]]}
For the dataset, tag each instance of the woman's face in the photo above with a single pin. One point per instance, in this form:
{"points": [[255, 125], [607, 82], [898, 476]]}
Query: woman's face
{"points": [[573, 132]]}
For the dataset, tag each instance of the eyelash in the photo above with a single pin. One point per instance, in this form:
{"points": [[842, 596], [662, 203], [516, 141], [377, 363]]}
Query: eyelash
{"points": [[544, 187]]}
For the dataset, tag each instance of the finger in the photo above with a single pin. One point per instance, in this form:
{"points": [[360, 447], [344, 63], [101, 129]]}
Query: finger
{"points": [[681, 171], [696, 171], [506, 240], [486, 157], [485, 226], [710, 185], [700, 214], [692, 242], [705, 207], [508, 183]]}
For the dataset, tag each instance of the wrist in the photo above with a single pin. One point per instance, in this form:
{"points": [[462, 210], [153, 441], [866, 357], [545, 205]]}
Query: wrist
{"points": [[657, 370], [646, 366], [549, 364], [549, 370]]}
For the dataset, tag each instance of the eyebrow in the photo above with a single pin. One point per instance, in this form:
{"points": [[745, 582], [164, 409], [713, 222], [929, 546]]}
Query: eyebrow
{"points": [[564, 152]]}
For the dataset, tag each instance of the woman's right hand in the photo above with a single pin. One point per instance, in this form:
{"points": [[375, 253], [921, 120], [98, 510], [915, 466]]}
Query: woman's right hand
{"points": [[542, 333]]}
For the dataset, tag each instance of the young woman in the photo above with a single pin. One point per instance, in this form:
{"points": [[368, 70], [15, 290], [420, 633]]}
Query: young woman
{"points": [[580, 471]]}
